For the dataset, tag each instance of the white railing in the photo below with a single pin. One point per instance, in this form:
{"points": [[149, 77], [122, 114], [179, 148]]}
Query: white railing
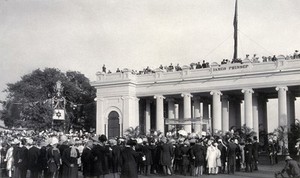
{"points": [[214, 70]]}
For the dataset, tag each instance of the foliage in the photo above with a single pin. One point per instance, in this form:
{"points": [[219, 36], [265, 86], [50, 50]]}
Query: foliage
{"points": [[29, 100], [280, 134], [246, 132], [294, 134], [37, 115], [132, 132]]}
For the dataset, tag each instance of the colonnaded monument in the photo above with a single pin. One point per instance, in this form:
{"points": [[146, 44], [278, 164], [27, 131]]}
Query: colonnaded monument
{"points": [[198, 99]]}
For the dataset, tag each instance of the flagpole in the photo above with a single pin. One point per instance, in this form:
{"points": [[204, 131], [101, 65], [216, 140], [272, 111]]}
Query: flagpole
{"points": [[235, 25]]}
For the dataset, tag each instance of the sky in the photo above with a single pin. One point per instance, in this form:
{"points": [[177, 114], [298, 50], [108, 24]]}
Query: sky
{"points": [[82, 35]]}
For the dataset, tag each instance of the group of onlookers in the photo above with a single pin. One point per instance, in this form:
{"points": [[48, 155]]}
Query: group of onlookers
{"points": [[205, 64], [62, 156]]}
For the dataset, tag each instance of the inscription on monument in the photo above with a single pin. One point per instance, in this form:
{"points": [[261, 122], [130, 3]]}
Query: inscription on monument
{"points": [[230, 68]]}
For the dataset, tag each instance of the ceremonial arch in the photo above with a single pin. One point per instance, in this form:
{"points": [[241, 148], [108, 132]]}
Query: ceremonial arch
{"points": [[198, 99]]}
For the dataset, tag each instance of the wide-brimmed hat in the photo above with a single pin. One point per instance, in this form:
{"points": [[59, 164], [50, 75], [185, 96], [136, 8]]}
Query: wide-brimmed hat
{"points": [[288, 158], [54, 141], [29, 141], [15, 141], [63, 138], [113, 142], [192, 140]]}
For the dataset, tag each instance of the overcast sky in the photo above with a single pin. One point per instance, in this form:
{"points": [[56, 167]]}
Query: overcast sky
{"points": [[83, 35]]}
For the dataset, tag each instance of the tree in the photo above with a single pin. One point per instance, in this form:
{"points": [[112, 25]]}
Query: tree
{"points": [[29, 100]]}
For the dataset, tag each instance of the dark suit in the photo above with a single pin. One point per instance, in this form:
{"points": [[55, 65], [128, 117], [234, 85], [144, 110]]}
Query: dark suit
{"points": [[248, 157], [16, 158], [33, 164], [128, 163], [166, 156], [100, 166], [255, 147], [22, 161], [223, 150], [87, 160], [232, 147], [70, 166]]}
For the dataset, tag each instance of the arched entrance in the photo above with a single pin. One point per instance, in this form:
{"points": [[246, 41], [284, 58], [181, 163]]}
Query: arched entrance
{"points": [[113, 124]]}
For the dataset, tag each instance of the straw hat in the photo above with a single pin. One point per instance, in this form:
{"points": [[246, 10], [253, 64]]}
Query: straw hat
{"points": [[29, 141], [15, 141], [113, 142], [193, 140], [54, 141], [63, 138]]}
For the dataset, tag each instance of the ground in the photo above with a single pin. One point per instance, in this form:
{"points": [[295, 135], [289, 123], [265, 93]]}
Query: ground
{"points": [[265, 171]]}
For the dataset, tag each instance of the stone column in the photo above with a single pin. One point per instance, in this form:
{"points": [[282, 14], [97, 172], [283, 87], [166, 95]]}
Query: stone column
{"points": [[176, 110], [129, 112], [187, 110], [248, 110], [197, 115], [282, 105], [205, 114], [160, 125], [282, 110], [255, 115], [217, 114], [171, 110], [100, 123], [148, 116], [225, 114]]}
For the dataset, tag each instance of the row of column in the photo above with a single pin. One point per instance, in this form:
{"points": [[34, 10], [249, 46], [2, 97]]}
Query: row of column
{"points": [[220, 110]]}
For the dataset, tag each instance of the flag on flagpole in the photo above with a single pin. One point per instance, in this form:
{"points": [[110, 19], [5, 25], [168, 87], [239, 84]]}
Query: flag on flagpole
{"points": [[235, 25]]}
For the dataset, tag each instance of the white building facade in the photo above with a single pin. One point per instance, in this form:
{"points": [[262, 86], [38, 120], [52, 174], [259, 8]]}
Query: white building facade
{"points": [[206, 99]]}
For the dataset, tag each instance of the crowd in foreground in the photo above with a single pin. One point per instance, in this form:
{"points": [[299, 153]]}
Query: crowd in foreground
{"points": [[205, 64], [58, 155]]}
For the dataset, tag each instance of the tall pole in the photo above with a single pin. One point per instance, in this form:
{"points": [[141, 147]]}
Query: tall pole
{"points": [[235, 25]]}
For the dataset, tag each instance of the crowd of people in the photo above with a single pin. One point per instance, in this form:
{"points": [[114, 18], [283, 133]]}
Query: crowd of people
{"points": [[54, 154], [205, 64]]}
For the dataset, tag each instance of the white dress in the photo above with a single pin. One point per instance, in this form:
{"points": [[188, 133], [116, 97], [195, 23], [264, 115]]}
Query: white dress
{"points": [[9, 158], [211, 157]]}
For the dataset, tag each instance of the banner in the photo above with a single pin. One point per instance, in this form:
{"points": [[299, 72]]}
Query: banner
{"points": [[59, 114]]}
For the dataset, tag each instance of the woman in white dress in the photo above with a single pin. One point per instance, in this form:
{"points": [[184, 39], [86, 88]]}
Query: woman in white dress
{"points": [[211, 157], [10, 160], [218, 158]]}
